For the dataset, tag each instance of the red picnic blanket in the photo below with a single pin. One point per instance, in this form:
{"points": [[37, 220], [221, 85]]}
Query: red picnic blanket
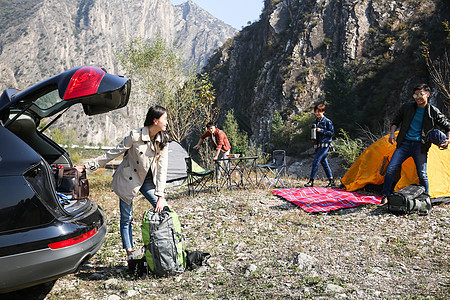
{"points": [[318, 199]]}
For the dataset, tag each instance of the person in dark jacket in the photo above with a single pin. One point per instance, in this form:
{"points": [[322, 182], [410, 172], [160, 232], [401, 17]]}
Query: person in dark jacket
{"points": [[415, 120], [324, 134]]}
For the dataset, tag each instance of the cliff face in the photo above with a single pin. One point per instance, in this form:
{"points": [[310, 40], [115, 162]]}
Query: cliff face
{"points": [[280, 63], [42, 38]]}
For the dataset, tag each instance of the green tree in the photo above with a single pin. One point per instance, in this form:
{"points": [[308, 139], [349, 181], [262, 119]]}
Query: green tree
{"points": [[237, 137], [340, 96], [301, 138], [207, 96], [281, 134], [158, 72], [154, 67], [64, 137], [58, 136]]}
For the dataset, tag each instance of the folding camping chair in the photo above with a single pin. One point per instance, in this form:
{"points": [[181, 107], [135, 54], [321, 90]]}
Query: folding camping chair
{"points": [[274, 173], [197, 181]]}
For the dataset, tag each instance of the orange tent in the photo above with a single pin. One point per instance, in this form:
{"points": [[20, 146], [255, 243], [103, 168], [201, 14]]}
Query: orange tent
{"points": [[367, 168]]}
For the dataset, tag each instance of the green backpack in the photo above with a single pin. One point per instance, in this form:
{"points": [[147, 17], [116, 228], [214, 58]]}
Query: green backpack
{"points": [[161, 234]]}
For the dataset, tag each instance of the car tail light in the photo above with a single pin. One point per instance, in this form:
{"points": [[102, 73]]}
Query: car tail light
{"points": [[41, 181], [74, 240], [84, 82]]}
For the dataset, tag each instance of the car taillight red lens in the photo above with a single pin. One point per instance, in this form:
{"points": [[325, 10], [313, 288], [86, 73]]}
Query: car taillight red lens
{"points": [[84, 82], [74, 240]]}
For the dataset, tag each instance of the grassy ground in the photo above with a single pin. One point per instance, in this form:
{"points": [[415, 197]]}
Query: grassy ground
{"points": [[263, 247]]}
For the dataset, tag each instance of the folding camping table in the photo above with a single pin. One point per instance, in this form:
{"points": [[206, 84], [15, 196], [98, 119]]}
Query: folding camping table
{"points": [[236, 171]]}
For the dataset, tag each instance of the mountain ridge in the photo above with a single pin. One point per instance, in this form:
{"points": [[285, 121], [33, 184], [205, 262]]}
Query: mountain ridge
{"points": [[57, 35], [281, 62]]}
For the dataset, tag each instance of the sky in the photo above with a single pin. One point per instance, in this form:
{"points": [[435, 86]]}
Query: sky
{"points": [[233, 12]]}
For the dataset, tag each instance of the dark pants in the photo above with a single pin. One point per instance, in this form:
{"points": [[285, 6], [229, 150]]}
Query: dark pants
{"points": [[407, 149], [321, 157]]}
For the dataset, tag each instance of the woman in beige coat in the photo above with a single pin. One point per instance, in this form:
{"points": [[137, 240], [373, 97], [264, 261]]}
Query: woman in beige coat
{"points": [[143, 168]]}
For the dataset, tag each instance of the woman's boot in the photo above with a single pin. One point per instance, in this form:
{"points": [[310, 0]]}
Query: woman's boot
{"points": [[310, 183], [330, 183]]}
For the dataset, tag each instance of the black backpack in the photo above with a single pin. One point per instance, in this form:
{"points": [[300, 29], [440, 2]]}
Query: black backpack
{"points": [[138, 268], [196, 259], [410, 199]]}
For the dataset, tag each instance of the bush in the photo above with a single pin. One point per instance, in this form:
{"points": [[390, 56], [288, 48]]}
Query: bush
{"points": [[66, 136], [254, 150], [349, 150], [300, 140], [292, 136], [76, 158], [303, 123]]}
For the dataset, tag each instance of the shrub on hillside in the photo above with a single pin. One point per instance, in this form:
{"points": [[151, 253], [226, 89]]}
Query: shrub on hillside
{"points": [[348, 149]]}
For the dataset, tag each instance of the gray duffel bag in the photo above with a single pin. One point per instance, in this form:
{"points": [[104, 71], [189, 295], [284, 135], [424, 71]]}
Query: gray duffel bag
{"points": [[410, 199]]}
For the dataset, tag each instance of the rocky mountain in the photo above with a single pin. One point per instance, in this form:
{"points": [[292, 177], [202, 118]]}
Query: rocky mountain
{"points": [[360, 57], [41, 38]]}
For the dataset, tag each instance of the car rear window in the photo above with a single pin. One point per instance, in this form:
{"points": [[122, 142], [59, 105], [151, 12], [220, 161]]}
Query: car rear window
{"points": [[48, 100]]}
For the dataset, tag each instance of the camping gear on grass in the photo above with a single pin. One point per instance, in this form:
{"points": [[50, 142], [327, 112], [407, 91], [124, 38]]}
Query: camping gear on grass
{"points": [[176, 168], [319, 199], [196, 259], [177, 173], [161, 234], [365, 170], [410, 199]]}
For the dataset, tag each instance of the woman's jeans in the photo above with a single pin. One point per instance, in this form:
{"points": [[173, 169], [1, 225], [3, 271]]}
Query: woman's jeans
{"points": [[321, 157], [406, 150], [126, 210]]}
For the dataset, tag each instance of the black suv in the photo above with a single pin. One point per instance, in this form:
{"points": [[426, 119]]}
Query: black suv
{"points": [[41, 237]]}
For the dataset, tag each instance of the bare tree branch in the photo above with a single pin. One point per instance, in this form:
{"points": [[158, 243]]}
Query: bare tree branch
{"points": [[439, 68]]}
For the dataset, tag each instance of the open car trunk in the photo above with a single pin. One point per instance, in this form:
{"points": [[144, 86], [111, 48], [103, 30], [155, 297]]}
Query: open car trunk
{"points": [[22, 112], [25, 128]]}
